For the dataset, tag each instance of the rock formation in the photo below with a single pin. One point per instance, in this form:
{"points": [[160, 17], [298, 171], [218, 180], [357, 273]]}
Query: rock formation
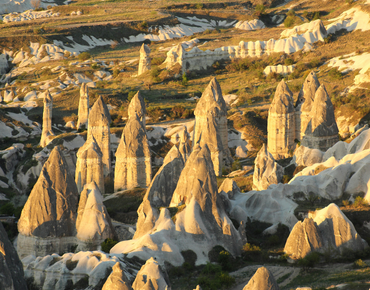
{"points": [[184, 144], [11, 268], [89, 165], [304, 103], [117, 280], [144, 61], [165, 181], [322, 130], [304, 156], [211, 125], [47, 131], [137, 107], [326, 231], [230, 187], [83, 107], [51, 226], [99, 128], [133, 164], [93, 222], [266, 170], [262, 280], [151, 276], [281, 123]]}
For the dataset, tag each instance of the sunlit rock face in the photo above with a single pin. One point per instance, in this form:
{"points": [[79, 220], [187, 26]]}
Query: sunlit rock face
{"points": [[83, 107], [229, 187], [11, 268], [99, 128], [51, 225], [305, 102], [93, 222], [137, 107], [199, 222], [322, 130], [144, 61], [184, 144], [266, 170], [89, 165], [117, 280], [326, 231], [262, 280], [304, 156], [133, 163], [152, 276], [281, 123], [47, 131], [211, 125]]}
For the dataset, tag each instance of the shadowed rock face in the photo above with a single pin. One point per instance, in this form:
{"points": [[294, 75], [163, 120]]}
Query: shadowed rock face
{"points": [[144, 61], [93, 221], [329, 230], [98, 127], [137, 107], [47, 131], [262, 280], [322, 130], [89, 165], [50, 210], [133, 164], [184, 145], [83, 106], [151, 276], [117, 280], [211, 125], [281, 123], [266, 170], [11, 268]]}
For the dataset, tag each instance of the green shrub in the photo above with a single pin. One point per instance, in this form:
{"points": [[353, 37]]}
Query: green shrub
{"points": [[310, 260], [155, 71], [224, 259], [360, 202], [359, 264], [95, 66], [288, 61], [131, 94], [108, 244], [212, 277], [143, 25], [84, 56], [251, 248], [289, 21], [260, 8], [184, 80]]}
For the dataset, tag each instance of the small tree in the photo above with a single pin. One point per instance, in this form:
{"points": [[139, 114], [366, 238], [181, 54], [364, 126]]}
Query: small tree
{"points": [[35, 4]]}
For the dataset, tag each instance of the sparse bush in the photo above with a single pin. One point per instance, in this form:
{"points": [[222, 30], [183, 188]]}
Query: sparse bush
{"points": [[108, 244], [224, 259], [236, 165], [251, 248], [288, 61], [345, 202], [157, 60], [334, 73], [143, 25], [359, 264], [155, 71], [199, 6], [310, 260], [360, 202], [260, 9], [289, 21], [328, 39], [95, 66], [37, 31], [84, 56], [131, 94], [184, 80]]}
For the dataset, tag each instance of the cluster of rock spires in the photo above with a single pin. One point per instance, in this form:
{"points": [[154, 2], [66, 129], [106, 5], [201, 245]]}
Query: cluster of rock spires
{"points": [[53, 224], [144, 61], [211, 125], [311, 121]]}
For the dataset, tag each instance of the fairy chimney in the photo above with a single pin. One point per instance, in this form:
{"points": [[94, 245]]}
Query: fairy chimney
{"points": [[144, 61], [83, 107], [47, 131], [137, 107]]}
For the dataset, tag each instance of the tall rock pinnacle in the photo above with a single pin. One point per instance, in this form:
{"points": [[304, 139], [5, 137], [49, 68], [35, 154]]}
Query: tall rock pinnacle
{"points": [[47, 131], [83, 106], [144, 61]]}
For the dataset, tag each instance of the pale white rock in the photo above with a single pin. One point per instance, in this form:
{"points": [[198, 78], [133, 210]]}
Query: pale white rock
{"points": [[304, 156], [47, 130], [99, 128], [250, 25], [144, 61], [352, 19], [4, 66], [137, 107], [262, 280], [279, 69], [133, 161], [89, 165], [281, 123], [83, 107], [266, 170], [230, 187]]}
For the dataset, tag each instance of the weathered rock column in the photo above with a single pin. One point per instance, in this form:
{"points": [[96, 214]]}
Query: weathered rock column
{"points": [[83, 107], [47, 131], [144, 61], [137, 107]]}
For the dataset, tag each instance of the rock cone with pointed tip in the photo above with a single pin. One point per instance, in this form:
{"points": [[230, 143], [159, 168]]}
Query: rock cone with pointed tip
{"points": [[305, 102], [266, 170], [54, 217], [230, 187], [47, 131], [211, 125], [99, 128], [262, 280], [322, 130], [89, 165], [117, 280], [133, 163], [281, 123], [144, 61], [11, 268], [151, 275], [83, 107], [328, 230], [93, 221], [137, 107]]}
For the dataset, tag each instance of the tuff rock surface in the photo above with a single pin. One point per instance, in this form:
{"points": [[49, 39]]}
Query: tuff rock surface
{"points": [[137, 107], [326, 231], [133, 162], [49, 226], [144, 61], [262, 280], [99, 128], [83, 107], [47, 131], [89, 165], [117, 280], [266, 170]]}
